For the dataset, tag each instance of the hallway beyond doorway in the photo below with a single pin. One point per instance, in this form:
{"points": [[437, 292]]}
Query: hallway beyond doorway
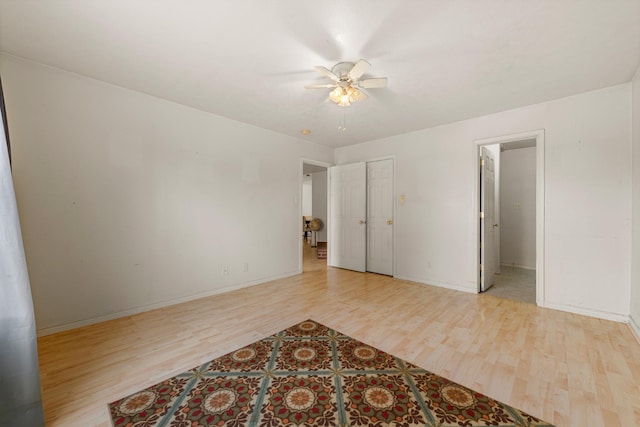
{"points": [[514, 283], [310, 261]]}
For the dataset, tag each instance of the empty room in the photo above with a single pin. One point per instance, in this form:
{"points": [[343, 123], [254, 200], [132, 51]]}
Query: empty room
{"points": [[285, 213]]}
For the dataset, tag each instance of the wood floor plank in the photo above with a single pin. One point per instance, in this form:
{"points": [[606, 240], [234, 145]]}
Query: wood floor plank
{"points": [[567, 369]]}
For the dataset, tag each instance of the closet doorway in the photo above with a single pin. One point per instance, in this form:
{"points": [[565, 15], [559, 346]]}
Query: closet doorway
{"points": [[362, 216]]}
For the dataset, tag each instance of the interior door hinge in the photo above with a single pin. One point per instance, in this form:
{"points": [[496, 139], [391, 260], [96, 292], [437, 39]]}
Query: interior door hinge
{"points": [[481, 267], [481, 215], [481, 162]]}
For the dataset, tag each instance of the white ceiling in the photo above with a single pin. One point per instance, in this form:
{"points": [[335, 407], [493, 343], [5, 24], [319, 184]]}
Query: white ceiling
{"points": [[248, 60]]}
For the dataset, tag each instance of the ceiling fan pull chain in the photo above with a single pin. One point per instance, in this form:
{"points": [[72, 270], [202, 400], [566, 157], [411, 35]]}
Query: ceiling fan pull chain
{"points": [[343, 125]]}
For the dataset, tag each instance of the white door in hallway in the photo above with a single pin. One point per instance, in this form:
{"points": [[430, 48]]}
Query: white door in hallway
{"points": [[487, 220], [380, 217], [348, 216]]}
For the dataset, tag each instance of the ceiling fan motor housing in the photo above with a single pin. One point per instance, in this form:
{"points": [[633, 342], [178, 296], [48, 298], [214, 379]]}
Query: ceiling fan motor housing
{"points": [[341, 69]]}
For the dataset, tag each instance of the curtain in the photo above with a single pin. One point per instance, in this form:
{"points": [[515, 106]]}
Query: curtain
{"points": [[20, 401]]}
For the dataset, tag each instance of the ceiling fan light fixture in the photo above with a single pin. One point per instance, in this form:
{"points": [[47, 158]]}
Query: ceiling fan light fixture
{"points": [[345, 99], [336, 94], [345, 96], [354, 94]]}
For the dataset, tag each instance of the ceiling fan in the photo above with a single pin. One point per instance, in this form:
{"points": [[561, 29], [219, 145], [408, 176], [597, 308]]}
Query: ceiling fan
{"points": [[347, 82]]}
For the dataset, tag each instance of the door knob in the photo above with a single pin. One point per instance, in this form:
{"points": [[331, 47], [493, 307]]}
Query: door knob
{"points": [[495, 225], [389, 222], [362, 222]]}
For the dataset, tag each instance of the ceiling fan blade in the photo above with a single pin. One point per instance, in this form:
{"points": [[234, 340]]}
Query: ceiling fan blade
{"points": [[325, 71], [359, 69], [373, 83], [324, 86]]}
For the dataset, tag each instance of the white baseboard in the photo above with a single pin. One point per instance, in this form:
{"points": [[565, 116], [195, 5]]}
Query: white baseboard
{"points": [[451, 286], [635, 327], [616, 317], [111, 316]]}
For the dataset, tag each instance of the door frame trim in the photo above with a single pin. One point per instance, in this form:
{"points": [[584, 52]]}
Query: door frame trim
{"points": [[326, 165], [540, 200]]}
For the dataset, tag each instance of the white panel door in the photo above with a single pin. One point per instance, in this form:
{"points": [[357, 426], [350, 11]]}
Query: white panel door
{"points": [[487, 220], [380, 217], [348, 216]]}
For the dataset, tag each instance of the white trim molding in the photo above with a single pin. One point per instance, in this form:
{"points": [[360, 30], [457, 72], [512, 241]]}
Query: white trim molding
{"points": [[635, 328], [616, 317], [445, 285]]}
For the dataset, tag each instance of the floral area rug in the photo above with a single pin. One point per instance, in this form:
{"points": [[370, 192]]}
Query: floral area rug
{"points": [[311, 375]]}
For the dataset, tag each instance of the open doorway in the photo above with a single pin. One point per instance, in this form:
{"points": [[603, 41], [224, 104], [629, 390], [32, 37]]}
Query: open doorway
{"points": [[511, 222], [313, 221]]}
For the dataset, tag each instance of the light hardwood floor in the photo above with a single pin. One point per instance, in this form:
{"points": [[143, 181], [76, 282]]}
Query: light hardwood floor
{"points": [[567, 369]]}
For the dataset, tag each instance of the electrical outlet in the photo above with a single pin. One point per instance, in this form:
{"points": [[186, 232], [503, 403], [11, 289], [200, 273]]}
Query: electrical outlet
{"points": [[225, 270], [245, 267]]}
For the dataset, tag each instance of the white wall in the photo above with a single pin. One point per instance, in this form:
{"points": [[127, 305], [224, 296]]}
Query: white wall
{"points": [[320, 202], [588, 198], [129, 201], [635, 260], [518, 208], [307, 196]]}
